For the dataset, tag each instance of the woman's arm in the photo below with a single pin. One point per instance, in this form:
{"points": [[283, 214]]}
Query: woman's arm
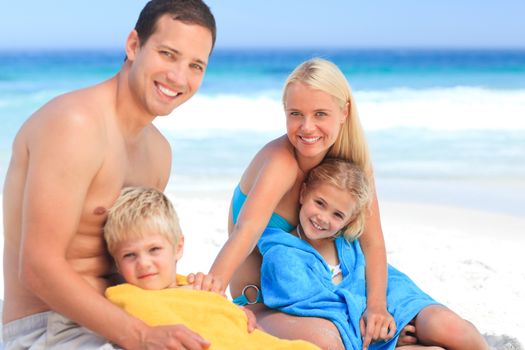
{"points": [[376, 322], [275, 177]]}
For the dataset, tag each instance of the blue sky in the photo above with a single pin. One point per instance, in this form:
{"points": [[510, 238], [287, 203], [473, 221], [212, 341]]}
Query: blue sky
{"points": [[278, 23]]}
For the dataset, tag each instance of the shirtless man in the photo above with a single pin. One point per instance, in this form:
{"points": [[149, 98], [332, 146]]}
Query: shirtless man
{"points": [[70, 160]]}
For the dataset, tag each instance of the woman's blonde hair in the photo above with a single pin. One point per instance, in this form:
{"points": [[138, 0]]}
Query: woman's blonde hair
{"points": [[323, 75], [349, 177], [139, 212]]}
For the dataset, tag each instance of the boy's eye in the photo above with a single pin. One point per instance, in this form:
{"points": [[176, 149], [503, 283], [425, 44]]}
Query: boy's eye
{"points": [[295, 114], [155, 249], [128, 255], [319, 202]]}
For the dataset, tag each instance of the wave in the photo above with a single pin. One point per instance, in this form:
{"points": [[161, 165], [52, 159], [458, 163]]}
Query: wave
{"points": [[458, 108]]}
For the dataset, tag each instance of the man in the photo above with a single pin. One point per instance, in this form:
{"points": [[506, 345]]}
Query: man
{"points": [[69, 162]]}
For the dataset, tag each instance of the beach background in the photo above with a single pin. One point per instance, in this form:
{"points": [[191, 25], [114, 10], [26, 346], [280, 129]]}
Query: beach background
{"points": [[446, 128]]}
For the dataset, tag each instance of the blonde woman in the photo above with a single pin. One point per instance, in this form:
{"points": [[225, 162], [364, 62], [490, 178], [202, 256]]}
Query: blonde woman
{"points": [[321, 121]]}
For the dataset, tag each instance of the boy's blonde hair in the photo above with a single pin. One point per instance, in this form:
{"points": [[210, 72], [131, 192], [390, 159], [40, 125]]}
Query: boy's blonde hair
{"points": [[323, 75], [348, 177], [139, 212]]}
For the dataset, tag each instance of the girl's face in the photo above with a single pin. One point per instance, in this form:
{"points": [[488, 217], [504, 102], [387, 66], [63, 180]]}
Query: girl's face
{"points": [[313, 120], [325, 210]]}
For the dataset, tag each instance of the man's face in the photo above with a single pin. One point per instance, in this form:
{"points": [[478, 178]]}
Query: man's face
{"points": [[169, 67]]}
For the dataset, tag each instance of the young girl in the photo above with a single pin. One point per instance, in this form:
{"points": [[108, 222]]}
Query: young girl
{"points": [[321, 120], [319, 269]]}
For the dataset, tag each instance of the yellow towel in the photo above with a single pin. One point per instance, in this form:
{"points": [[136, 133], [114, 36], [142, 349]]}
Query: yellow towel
{"points": [[212, 316]]}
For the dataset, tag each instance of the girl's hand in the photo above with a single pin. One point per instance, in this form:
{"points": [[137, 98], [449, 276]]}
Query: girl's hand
{"points": [[376, 324], [204, 282]]}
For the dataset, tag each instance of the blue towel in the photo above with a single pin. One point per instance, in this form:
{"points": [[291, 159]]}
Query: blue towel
{"points": [[295, 279]]}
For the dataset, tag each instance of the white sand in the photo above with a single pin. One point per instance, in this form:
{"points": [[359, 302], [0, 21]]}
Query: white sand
{"points": [[472, 261]]}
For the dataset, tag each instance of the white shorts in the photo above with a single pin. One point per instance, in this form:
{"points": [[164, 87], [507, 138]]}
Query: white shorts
{"points": [[50, 330]]}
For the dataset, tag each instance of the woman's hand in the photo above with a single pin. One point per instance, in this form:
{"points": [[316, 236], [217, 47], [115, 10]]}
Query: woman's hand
{"points": [[376, 324], [200, 281]]}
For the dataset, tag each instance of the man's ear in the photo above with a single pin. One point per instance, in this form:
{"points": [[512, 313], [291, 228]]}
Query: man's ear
{"points": [[179, 248], [132, 45]]}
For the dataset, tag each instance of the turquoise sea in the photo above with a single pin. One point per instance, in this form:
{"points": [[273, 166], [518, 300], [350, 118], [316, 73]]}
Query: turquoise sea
{"points": [[444, 126]]}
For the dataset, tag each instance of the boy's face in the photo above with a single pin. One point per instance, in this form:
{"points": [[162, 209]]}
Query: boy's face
{"points": [[325, 211], [149, 262]]}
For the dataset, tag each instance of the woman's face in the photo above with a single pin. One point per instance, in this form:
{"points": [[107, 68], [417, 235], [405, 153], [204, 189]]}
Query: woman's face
{"points": [[313, 119]]}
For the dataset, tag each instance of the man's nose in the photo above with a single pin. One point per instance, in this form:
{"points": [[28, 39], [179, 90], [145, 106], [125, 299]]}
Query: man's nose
{"points": [[178, 74]]}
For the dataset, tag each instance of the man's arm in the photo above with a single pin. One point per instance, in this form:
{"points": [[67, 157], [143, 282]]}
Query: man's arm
{"points": [[65, 154]]}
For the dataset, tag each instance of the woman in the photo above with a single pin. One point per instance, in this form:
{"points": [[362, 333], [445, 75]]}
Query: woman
{"points": [[321, 121]]}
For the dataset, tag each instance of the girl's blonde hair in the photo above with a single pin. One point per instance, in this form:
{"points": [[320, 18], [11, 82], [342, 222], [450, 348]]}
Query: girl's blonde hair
{"points": [[348, 177], [139, 212], [323, 75]]}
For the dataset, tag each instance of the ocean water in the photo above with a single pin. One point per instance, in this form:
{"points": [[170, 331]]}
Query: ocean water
{"points": [[444, 126]]}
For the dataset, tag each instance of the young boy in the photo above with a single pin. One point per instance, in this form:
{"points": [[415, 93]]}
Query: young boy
{"points": [[143, 235]]}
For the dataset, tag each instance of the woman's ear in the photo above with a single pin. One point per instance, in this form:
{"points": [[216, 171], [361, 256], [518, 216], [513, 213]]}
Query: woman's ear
{"points": [[346, 112]]}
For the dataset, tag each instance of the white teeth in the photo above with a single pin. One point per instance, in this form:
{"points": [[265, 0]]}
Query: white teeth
{"points": [[310, 139], [167, 91], [317, 227]]}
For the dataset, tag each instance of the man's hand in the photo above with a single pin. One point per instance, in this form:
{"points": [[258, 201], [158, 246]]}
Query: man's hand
{"points": [[376, 324], [176, 337], [204, 282]]}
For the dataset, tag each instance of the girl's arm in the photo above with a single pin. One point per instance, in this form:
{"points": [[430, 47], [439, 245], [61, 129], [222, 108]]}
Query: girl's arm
{"points": [[376, 322], [275, 178]]}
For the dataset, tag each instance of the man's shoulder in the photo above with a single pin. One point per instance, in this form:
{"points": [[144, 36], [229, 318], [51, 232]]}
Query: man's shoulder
{"points": [[80, 111]]}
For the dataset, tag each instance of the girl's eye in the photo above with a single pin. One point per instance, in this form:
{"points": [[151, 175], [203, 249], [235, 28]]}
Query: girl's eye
{"points": [[319, 202], [339, 216], [295, 114], [321, 114]]}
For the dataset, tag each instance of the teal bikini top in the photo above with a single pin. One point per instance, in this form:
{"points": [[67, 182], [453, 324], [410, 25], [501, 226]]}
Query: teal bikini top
{"points": [[275, 220]]}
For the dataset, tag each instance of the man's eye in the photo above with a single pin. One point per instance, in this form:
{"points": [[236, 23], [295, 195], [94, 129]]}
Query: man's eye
{"points": [[197, 67]]}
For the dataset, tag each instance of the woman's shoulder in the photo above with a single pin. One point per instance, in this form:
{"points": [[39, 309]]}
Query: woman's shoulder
{"points": [[279, 150]]}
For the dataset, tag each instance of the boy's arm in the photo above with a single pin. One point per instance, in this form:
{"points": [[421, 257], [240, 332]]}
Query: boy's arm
{"points": [[376, 322], [64, 159]]}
